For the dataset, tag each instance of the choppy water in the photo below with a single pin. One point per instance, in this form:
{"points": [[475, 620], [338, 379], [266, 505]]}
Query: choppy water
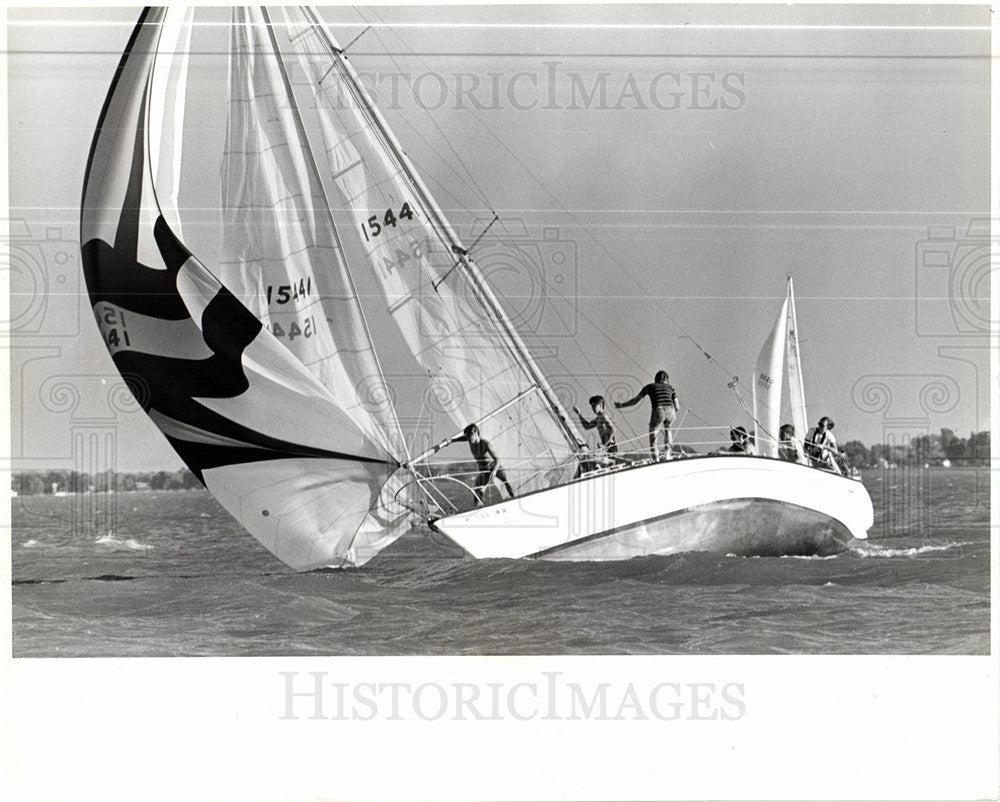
{"points": [[174, 575]]}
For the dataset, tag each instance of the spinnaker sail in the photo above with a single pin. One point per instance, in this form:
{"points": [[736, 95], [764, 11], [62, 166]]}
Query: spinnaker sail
{"points": [[274, 445], [262, 371]]}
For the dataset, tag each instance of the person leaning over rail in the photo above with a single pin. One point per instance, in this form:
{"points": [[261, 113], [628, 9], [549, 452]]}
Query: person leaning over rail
{"points": [[663, 402], [487, 460]]}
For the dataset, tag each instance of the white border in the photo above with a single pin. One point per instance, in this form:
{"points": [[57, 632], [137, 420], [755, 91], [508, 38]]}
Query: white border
{"points": [[815, 727]]}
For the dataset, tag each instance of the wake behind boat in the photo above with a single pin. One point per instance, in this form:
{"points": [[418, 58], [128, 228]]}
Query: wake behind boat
{"points": [[307, 411]]}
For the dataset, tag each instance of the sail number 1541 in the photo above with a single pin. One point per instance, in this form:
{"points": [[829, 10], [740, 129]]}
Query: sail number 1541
{"points": [[374, 226]]}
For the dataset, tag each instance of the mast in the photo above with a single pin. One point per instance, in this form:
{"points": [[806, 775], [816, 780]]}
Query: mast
{"points": [[480, 287]]}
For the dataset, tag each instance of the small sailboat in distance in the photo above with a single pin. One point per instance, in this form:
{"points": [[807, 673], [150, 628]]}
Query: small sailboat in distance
{"points": [[314, 414]]}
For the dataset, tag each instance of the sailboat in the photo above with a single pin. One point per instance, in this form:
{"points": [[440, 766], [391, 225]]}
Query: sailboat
{"points": [[318, 418], [721, 502]]}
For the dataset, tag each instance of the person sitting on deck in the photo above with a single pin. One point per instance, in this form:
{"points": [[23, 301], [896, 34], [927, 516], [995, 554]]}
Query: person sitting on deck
{"points": [[605, 428], [821, 446], [486, 459], [741, 441], [789, 447], [663, 401]]}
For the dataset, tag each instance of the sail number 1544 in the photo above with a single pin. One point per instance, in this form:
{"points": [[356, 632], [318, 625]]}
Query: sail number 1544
{"points": [[376, 224]]}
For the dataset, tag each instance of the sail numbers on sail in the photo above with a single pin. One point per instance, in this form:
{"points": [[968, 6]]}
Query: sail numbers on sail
{"points": [[290, 292], [111, 320], [389, 220], [294, 329]]}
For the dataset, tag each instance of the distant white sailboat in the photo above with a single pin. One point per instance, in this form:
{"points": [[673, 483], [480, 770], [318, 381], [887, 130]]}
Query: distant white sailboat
{"points": [[267, 373], [779, 367]]}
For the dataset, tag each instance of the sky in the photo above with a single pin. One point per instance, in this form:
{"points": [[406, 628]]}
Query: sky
{"points": [[669, 167]]}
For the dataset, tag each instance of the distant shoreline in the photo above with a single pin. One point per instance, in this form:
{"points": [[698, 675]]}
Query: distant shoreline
{"points": [[943, 450]]}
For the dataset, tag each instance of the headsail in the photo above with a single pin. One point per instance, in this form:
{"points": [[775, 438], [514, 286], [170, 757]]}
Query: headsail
{"points": [[777, 364], [274, 445], [443, 311], [281, 255]]}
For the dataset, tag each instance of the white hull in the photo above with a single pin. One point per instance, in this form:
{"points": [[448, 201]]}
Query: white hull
{"points": [[725, 504]]}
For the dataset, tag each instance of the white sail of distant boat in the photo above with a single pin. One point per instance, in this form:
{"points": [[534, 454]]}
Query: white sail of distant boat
{"points": [[265, 366], [777, 375]]}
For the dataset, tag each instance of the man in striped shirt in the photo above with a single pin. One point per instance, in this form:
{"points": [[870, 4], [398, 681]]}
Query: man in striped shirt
{"points": [[663, 400]]}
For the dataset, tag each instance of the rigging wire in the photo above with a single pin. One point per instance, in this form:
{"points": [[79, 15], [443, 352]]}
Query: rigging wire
{"points": [[468, 173], [346, 47], [470, 181]]}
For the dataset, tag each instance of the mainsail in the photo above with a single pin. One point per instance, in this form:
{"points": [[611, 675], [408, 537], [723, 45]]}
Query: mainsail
{"points": [[276, 447], [777, 364]]}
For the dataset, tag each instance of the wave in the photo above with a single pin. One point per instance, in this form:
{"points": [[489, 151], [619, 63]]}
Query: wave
{"points": [[30, 544], [131, 543], [809, 556], [874, 550], [110, 578]]}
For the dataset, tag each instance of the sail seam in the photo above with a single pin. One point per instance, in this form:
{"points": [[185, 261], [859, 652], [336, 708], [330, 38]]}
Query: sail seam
{"points": [[333, 225]]}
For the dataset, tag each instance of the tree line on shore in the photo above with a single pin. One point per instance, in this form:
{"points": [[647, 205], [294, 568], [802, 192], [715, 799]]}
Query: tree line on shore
{"points": [[933, 449], [929, 449], [63, 481]]}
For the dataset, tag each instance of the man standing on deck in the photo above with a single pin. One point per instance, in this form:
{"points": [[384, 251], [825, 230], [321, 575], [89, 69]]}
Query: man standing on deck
{"points": [[605, 428], [486, 460], [663, 400]]}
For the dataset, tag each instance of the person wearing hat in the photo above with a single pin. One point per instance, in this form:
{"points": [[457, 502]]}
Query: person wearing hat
{"points": [[821, 445]]}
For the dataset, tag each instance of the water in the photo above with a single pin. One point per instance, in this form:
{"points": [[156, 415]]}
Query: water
{"points": [[177, 577]]}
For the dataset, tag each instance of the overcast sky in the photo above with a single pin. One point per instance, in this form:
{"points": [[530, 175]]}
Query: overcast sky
{"points": [[671, 165]]}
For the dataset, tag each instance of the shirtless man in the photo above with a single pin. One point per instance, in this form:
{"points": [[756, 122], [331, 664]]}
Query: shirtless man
{"points": [[663, 402], [605, 428], [486, 459]]}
